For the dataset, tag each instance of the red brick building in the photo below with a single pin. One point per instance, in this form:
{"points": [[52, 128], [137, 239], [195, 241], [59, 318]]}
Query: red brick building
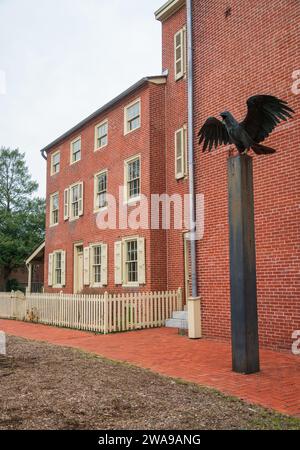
{"points": [[139, 140]]}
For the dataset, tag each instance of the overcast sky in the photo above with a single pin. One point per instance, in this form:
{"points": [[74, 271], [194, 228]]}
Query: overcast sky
{"points": [[63, 59]]}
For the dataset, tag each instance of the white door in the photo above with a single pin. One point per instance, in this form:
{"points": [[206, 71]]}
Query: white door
{"points": [[78, 269]]}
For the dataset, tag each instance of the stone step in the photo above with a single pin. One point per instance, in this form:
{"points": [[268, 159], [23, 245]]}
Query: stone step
{"points": [[183, 315], [177, 323]]}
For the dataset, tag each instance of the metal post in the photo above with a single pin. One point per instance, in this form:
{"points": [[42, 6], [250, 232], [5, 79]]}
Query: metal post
{"points": [[244, 323]]}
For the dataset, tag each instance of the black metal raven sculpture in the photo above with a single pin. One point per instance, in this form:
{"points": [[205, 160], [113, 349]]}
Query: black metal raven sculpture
{"points": [[264, 113]]}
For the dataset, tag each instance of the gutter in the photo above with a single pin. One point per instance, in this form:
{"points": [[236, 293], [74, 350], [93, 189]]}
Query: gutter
{"points": [[193, 302]]}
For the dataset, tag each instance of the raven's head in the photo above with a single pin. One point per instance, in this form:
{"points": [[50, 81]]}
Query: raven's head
{"points": [[227, 117]]}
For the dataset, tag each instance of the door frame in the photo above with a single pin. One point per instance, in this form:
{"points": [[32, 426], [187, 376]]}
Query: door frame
{"points": [[75, 266]]}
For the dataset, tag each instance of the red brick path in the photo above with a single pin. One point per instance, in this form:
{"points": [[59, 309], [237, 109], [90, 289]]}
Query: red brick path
{"points": [[203, 362]]}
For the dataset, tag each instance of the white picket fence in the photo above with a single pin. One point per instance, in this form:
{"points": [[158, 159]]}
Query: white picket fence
{"points": [[101, 313]]}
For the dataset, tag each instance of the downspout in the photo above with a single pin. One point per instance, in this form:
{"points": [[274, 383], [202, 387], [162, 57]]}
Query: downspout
{"points": [[194, 307]]}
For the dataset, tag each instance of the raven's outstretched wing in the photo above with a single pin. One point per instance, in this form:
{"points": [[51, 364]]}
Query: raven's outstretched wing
{"points": [[264, 113], [213, 133]]}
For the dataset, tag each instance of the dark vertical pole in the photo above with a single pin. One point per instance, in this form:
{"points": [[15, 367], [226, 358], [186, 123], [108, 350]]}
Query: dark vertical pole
{"points": [[244, 324]]}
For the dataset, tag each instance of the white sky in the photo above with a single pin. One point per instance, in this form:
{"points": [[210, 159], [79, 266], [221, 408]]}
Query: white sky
{"points": [[63, 59]]}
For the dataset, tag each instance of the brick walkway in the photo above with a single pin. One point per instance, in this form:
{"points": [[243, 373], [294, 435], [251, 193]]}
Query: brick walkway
{"points": [[204, 362]]}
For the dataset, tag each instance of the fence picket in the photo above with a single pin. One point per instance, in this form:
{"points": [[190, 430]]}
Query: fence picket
{"points": [[101, 313]]}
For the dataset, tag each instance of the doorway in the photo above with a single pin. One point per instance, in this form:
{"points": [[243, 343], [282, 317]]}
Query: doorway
{"points": [[78, 268]]}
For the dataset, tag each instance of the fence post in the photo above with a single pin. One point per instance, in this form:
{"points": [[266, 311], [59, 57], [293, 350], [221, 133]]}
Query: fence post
{"points": [[179, 299], [105, 319]]}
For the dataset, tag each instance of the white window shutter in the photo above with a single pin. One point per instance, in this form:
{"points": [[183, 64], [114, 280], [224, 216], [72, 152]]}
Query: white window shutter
{"points": [[66, 203], [50, 269], [80, 207], [141, 261], [104, 264], [63, 268], [179, 154], [118, 262], [179, 54]]}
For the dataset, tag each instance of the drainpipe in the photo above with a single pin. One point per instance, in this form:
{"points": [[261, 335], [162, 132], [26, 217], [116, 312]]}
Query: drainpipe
{"points": [[194, 306]]}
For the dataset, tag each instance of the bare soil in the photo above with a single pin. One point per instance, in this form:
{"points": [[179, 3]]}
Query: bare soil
{"points": [[44, 386]]}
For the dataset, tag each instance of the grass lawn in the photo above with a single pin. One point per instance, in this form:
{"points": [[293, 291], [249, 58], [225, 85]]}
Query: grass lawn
{"points": [[43, 386]]}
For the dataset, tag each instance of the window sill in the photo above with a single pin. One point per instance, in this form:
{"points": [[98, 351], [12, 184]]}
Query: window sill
{"points": [[105, 208], [100, 148], [73, 219], [57, 286], [131, 285], [131, 131], [132, 201], [75, 162], [53, 225]]}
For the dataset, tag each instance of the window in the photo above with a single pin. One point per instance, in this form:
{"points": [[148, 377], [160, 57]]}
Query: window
{"points": [[55, 163], [95, 265], [180, 53], [180, 153], [131, 261], [132, 178], [130, 264], [57, 269], [132, 116], [54, 209], [100, 186], [73, 201], [76, 150], [101, 135], [76, 200]]}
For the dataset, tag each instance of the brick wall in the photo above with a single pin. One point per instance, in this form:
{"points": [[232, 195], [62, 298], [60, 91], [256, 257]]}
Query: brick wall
{"points": [[254, 50], [176, 117], [112, 157]]}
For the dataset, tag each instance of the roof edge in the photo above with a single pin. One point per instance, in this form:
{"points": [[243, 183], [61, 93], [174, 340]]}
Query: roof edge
{"points": [[168, 9], [156, 79], [35, 252]]}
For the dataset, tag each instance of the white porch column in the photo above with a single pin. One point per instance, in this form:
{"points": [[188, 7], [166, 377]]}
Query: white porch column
{"points": [[194, 317], [29, 267]]}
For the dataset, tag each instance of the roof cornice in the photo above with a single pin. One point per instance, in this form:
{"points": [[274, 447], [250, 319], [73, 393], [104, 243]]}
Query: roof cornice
{"points": [[160, 79], [168, 9]]}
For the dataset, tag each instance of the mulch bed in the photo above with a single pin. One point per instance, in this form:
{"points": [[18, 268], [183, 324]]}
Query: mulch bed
{"points": [[44, 386]]}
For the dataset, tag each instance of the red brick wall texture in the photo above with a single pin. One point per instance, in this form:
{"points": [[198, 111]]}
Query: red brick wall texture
{"points": [[252, 49]]}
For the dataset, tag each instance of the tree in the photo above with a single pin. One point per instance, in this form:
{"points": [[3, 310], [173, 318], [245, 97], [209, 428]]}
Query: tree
{"points": [[16, 186], [22, 217]]}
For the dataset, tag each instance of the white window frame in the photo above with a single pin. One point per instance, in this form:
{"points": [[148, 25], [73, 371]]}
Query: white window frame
{"points": [[80, 199], [126, 282], [180, 74], [52, 223], [88, 265], [96, 207], [52, 172], [78, 138], [126, 120], [93, 283], [127, 199], [55, 284], [183, 173], [123, 259], [96, 147]]}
